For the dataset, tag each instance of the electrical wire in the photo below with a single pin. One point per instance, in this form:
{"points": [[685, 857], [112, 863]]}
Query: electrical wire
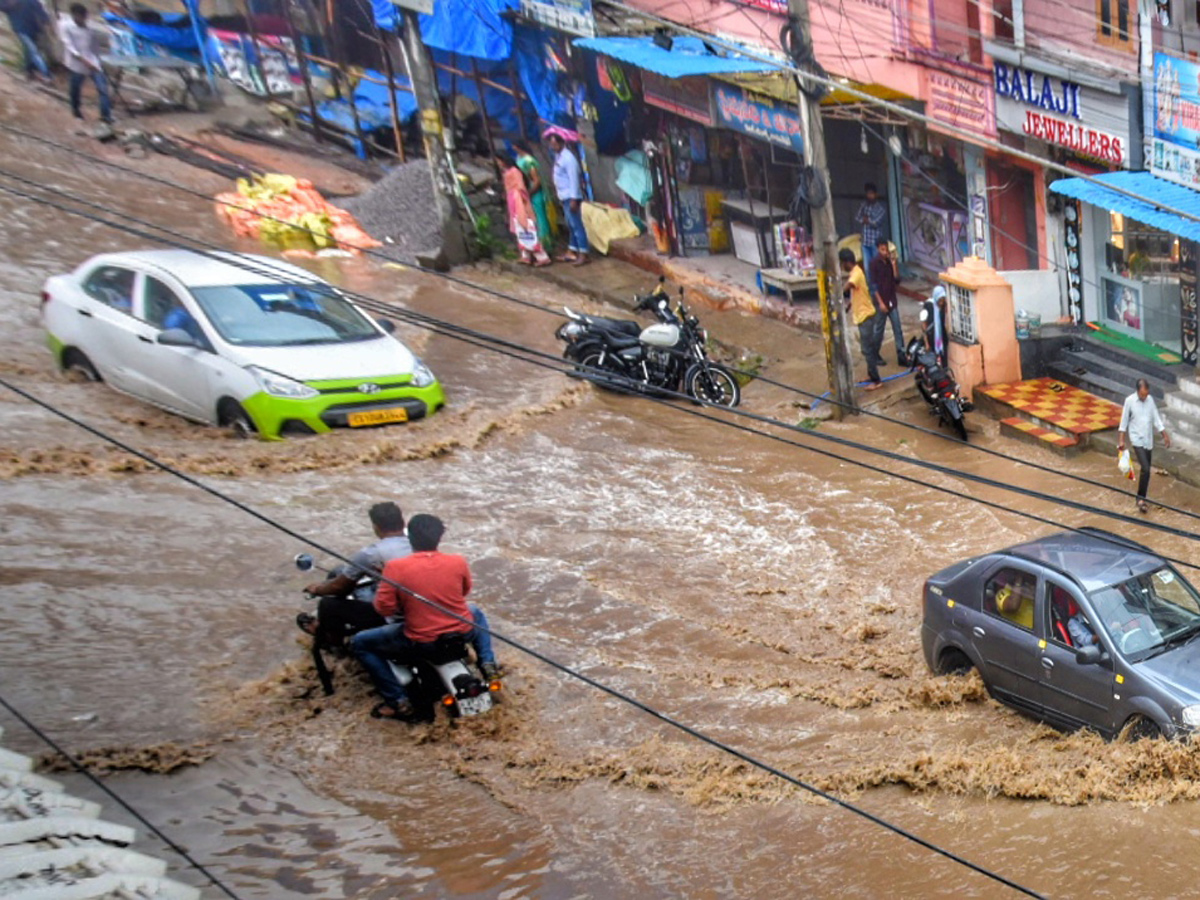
{"points": [[125, 805], [512, 298], [623, 697], [466, 334]]}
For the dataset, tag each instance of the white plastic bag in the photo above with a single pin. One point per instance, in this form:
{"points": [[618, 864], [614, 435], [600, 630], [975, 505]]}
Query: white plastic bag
{"points": [[1124, 464]]}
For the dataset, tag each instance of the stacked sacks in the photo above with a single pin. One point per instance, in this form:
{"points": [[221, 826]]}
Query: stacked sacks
{"points": [[290, 213]]}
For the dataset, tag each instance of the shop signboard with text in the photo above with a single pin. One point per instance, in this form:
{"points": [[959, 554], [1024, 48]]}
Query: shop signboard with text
{"points": [[1085, 120], [759, 117], [571, 16], [1174, 153], [961, 101]]}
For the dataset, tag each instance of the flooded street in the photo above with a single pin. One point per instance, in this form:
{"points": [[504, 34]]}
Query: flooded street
{"points": [[760, 592]]}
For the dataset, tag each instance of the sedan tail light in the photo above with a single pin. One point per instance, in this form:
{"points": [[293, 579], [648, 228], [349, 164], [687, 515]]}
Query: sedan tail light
{"points": [[45, 299]]}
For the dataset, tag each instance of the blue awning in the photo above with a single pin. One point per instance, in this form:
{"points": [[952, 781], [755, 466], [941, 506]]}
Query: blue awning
{"points": [[687, 56], [1153, 194]]}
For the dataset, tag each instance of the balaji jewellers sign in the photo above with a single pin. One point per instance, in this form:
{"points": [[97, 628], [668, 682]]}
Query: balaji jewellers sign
{"points": [[1086, 121]]}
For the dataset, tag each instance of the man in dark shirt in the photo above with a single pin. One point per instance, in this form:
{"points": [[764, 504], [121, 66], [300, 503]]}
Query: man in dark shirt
{"points": [[884, 276], [27, 18]]}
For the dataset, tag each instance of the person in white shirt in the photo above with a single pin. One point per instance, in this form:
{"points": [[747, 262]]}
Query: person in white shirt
{"points": [[1140, 419], [81, 54]]}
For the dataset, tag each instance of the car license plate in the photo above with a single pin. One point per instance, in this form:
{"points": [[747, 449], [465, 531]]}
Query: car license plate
{"points": [[473, 706], [377, 417]]}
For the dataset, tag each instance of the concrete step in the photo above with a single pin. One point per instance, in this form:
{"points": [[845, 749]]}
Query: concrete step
{"points": [[1179, 402], [1183, 442], [1098, 383], [1123, 377], [1144, 366], [1030, 432], [1182, 422], [1190, 386]]}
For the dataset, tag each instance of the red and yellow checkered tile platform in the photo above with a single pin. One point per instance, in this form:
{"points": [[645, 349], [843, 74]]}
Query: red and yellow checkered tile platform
{"points": [[1057, 404], [1042, 434]]}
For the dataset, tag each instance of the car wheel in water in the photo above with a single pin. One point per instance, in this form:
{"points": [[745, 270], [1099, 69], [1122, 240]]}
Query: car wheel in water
{"points": [[712, 384], [232, 417], [954, 662], [79, 368], [1140, 728]]}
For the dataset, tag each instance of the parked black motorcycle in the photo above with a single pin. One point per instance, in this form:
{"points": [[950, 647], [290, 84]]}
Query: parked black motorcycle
{"points": [[937, 385], [670, 355]]}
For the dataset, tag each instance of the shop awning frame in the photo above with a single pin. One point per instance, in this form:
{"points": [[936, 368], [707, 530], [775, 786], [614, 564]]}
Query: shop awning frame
{"points": [[1153, 192], [687, 56]]}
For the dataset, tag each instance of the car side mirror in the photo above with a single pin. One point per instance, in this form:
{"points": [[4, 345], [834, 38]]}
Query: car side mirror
{"points": [[387, 325], [176, 337], [1088, 655]]}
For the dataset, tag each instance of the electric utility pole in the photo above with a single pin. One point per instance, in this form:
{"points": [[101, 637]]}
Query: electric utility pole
{"points": [[833, 317], [424, 84]]}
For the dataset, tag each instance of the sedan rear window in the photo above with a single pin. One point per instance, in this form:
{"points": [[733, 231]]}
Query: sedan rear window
{"points": [[281, 315]]}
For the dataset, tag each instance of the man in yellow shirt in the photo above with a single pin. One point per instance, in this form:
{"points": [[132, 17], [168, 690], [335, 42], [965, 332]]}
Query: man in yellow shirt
{"points": [[862, 308]]}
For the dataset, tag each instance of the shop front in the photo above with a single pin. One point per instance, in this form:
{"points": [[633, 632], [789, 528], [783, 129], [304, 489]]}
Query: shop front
{"points": [[1138, 258]]}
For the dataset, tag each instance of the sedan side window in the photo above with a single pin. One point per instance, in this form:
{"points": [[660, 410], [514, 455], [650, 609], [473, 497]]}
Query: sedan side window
{"points": [[164, 309], [1009, 594], [112, 286], [1068, 625]]}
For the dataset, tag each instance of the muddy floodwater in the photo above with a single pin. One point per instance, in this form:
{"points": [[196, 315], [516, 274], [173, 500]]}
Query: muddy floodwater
{"points": [[755, 589]]}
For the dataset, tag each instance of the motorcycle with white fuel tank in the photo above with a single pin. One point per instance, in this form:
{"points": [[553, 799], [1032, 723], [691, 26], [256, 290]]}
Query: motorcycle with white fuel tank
{"points": [[668, 356], [443, 675]]}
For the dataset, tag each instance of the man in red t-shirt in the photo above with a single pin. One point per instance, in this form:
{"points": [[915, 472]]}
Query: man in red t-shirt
{"points": [[441, 578]]}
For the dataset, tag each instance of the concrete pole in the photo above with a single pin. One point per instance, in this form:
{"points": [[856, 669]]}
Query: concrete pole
{"points": [[833, 316], [424, 84]]}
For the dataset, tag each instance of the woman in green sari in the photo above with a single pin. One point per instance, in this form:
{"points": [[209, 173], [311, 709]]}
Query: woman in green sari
{"points": [[529, 167]]}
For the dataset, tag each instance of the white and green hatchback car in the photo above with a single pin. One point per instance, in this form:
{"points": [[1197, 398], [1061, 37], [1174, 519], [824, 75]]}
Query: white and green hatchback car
{"points": [[244, 341]]}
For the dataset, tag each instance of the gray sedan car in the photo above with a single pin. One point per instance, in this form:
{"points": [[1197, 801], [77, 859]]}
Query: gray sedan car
{"points": [[1079, 629]]}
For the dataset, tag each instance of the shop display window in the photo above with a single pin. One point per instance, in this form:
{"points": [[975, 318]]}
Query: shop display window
{"points": [[1140, 252]]}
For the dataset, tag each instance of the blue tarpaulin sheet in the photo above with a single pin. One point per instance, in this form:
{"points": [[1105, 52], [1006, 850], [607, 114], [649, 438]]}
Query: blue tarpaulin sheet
{"points": [[469, 27], [371, 103], [687, 56], [1154, 192], [175, 32]]}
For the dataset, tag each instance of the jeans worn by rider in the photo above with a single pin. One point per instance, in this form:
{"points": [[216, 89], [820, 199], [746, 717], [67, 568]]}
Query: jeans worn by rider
{"points": [[444, 579]]}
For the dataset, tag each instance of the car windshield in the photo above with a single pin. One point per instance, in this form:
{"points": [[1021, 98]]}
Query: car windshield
{"points": [[282, 315], [1148, 613]]}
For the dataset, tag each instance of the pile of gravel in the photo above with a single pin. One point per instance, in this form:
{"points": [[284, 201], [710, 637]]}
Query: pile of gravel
{"points": [[400, 211]]}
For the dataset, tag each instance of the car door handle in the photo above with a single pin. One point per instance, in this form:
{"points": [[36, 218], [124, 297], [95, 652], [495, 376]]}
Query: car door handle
{"points": [[1047, 663], [83, 312], [144, 339], [978, 632]]}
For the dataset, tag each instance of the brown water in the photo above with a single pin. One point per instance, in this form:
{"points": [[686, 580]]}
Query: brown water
{"points": [[762, 593]]}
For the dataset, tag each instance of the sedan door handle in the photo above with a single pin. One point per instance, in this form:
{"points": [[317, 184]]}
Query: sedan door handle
{"points": [[1047, 663], [83, 312], [144, 339], [978, 632]]}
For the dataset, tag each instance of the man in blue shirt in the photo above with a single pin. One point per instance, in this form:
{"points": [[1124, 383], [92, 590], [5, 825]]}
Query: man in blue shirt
{"points": [[872, 221], [1140, 419], [568, 184], [27, 18]]}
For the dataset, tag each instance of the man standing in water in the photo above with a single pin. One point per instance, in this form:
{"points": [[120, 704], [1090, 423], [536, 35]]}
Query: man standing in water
{"points": [[1140, 419], [862, 308]]}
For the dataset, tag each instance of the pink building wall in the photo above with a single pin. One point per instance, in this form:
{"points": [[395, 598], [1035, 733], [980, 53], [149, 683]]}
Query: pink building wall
{"points": [[1069, 29]]}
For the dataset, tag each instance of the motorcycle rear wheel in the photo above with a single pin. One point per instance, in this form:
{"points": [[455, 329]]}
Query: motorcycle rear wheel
{"points": [[957, 425], [712, 384]]}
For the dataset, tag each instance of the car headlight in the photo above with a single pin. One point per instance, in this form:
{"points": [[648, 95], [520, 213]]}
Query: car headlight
{"points": [[422, 374], [280, 386], [1191, 716]]}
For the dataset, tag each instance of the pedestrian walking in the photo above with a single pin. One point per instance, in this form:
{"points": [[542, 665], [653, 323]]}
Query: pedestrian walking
{"points": [[1140, 420], [883, 277], [532, 170], [872, 222], [568, 184], [81, 53], [521, 220], [862, 308], [28, 18]]}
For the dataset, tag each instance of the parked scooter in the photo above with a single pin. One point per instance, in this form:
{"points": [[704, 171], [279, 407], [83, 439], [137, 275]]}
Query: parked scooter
{"points": [[937, 385], [445, 675], [669, 356]]}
